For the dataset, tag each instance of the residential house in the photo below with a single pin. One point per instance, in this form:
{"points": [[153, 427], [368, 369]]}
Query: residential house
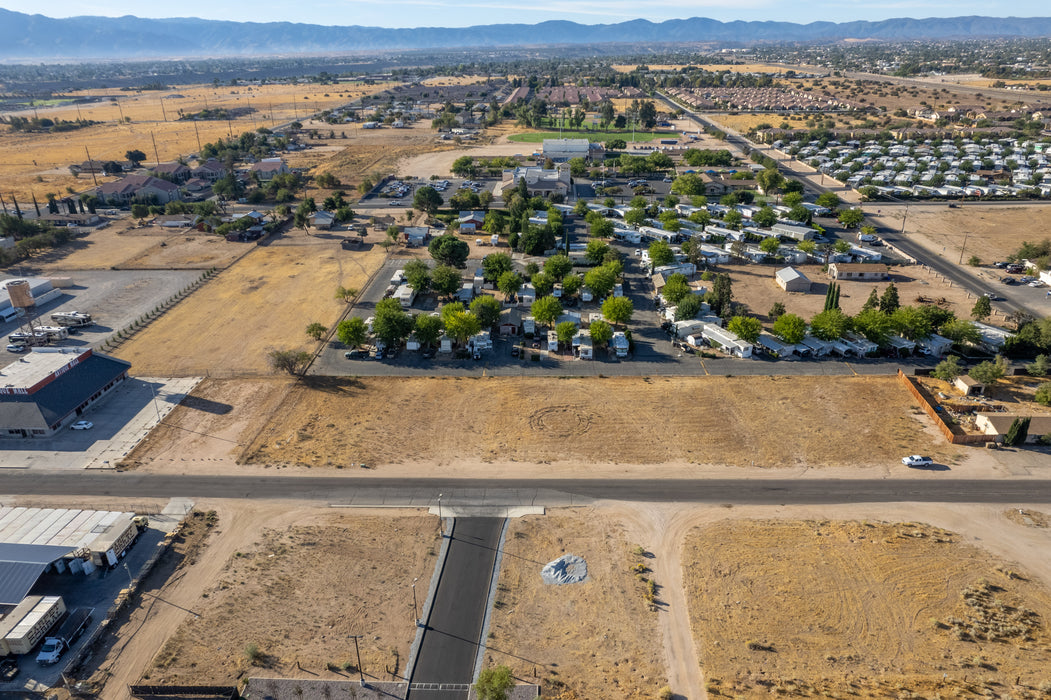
{"points": [[470, 221], [792, 280], [210, 170], [268, 168], [139, 188], [857, 271], [322, 219], [173, 172], [999, 423]]}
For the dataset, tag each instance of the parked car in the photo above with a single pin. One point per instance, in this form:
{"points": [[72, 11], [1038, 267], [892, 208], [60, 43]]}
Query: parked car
{"points": [[917, 461], [8, 669], [515, 351], [355, 354], [82, 425], [16, 347], [394, 203]]}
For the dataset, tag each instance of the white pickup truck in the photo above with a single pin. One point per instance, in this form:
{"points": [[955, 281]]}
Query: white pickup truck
{"points": [[68, 632]]}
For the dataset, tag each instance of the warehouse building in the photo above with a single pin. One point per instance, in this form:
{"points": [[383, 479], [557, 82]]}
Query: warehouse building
{"points": [[50, 387]]}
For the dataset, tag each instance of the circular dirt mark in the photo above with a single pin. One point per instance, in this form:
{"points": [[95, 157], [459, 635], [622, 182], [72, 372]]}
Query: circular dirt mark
{"points": [[561, 421]]}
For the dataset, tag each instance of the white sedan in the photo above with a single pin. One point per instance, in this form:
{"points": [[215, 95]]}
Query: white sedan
{"points": [[917, 461], [82, 425]]}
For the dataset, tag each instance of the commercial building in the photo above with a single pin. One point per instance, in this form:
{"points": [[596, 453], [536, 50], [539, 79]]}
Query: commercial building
{"points": [[562, 150], [50, 387]]}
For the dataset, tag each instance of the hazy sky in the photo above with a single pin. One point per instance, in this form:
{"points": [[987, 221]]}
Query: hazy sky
{"points": [[451, 13]]}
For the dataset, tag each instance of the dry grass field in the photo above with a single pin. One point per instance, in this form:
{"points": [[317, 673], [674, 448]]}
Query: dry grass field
{"points": [[264, 302], [39, 163], [355, 571], [765, 421], [598, 638], [992, 232], [861, 609]]}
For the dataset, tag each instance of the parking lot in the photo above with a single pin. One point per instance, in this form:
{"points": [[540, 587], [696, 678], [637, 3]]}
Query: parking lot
{"points": [[114, 298], [120, 422], [97, 591]]}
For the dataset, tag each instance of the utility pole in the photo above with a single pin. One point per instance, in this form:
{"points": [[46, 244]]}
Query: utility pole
{"points": [[91, 166], [163, 113], [357, 652], [415, 614], [156, 155], [966, 232], [198, 135]]}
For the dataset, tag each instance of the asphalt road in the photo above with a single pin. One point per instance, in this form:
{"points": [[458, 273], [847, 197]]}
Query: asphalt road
{"points": [[933, 486], [453, 633]]}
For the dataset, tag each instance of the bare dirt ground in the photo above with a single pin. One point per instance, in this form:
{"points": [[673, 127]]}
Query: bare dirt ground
{"points": [[123, 246], [264, 302], [334, 422], [39, 163], [992, 233], [863, 608], [297, 592], [598, 638], [754, 285]]}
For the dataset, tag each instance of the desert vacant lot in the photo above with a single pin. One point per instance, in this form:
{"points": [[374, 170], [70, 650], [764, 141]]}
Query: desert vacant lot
{"points": [[122, 246], [297, 594], [870, 609], [768, 421], [26, 157], [992, 232], [754, 285], [263, 302], [598, 638]]}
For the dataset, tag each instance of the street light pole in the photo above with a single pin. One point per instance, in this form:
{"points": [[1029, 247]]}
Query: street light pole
{"points": [[415, 615], [357, 652]]}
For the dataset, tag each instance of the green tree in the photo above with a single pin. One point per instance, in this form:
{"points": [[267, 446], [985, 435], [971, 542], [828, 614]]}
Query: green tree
{"points": [[390, 323], [792, 199], [316, 331], [721, 295], [601, 228], [888, 303], [600, 280], [661, 254], [911, 323], [618, 310], [427, 329], [135, 156], [990, 371], [688, 307], [543, 283], [770, 245], [427, 199], [948, 369], [461, 326], [745, 327], [596, 251], [874, 325], [546, 310], [776, 310], [872, 302], [571, 284], [352, 332], [807, 247], [830, 324], [675, 288], [647, 114], [445, 280], [635, 217], [509, 283], [487, 309], [765, 217], [790, 328], [565, 332], [960, 331], [829, 200], [601, 333], [291, 361], [851, 218], [1018, 432], [494, 683], [982, 309], [688, 185], [449, 250], [494, 265], [418, 275], [733, 219], [558, 266], [1040, 367], [770, 180], [463, 166], [1043, 394]]}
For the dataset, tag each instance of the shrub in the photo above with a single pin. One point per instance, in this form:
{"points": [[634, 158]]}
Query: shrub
{"points": [[252, 653]]}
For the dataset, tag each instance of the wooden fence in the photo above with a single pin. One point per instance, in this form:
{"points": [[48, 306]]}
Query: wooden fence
{"points": [[920, 394]]}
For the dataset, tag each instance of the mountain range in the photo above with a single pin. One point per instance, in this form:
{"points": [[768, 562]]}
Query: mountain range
{"points": [[24, 36]]}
